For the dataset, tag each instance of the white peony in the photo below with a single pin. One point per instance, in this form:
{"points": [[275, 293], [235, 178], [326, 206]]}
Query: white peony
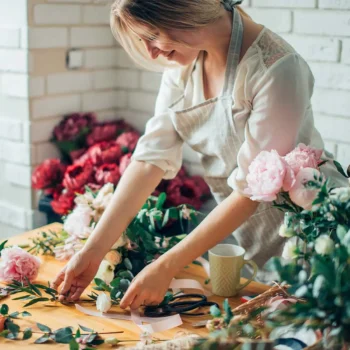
{"points": [[286, 232], [78, 222], [105, 272], [104, 196], [121, 242], [84, 199], [342, 194], [324, 245], [290, 250], [103, 302]]}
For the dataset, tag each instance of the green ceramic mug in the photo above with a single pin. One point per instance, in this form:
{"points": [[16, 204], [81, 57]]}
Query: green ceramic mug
{"points": [[226, 262]]}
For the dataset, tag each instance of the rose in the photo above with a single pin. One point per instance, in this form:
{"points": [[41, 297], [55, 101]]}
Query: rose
{"points": [[63, 203], [324, 245], [103, 302], [105, 272], [268, 174], [299, 193], [113, 257], [77, 176], [102, 132], [128, 140], [124, 163], [78, 222], [107, 173], [342, 194], [303, 157], [286, 232], [290, 250], [73, 126], [48, 174], [17, 264], [102, 153]]}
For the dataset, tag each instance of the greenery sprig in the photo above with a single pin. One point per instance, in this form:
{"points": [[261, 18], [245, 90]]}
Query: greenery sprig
{"points": [[45, 243]]}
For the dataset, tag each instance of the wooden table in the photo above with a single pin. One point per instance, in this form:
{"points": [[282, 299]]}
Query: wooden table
{"points": [[63, 316]]}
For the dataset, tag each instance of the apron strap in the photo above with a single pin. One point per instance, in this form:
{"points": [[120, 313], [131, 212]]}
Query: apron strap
{"points": [[230, 4]]}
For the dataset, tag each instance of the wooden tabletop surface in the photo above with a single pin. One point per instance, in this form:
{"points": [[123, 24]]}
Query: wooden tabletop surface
{"points": [[59, 315]]}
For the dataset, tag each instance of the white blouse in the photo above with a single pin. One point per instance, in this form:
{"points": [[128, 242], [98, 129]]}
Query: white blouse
{"points": [[271, 109]]}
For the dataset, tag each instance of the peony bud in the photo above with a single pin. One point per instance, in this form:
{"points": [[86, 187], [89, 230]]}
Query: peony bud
{"points": [[103, 302], [105, 272], [112, 341], [286, 232], [113, 257], [324, 245]]}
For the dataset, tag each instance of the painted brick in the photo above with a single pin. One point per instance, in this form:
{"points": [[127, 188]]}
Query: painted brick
{"points": [[41, 130], [68, 82], [35, 219], [279, 21], [57, 14], [126, 79], [334, 102], [9, 38], [313, 22], [104, 100], [7, 231], [331, 75], [45, 38], [346, 51], [12, 215], [15, 152], [95, 36], [343, 155], [54, 106], [14, 60], [18, 174], [137, 119], [315, 48], [16, 195], [15, 85], [11, 129], [124, 61], [142, 101], [36, 86], [150, 81], [285, 3], [96, 14], [13, 13], [11, 107], [102, 58], [334, 4], [333, 128], [44, 151]]}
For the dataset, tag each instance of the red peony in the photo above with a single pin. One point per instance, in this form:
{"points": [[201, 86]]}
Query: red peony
{"points": [[76, 154], [202, 185], [124, 163], [63, 203], [182, 172], [48, 175], [77, 176], [128, 140], [102, 132], [73, 126], [102, 153], [183, 191], [107, 173]]}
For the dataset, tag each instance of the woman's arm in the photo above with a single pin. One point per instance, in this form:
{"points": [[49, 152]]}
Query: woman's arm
{"points": [[150, 286]]}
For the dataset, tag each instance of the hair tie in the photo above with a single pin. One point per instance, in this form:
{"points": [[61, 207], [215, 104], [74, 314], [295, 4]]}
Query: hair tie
{"points": [[230, 4]]}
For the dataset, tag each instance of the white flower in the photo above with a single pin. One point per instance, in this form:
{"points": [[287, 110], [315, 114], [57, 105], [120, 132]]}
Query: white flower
{"points": [[342, 194], [290, 250], [186, 213], [121, 242], [78, 222], [66, 251], [284, 231], [103, 302], [84, 199], [105, 272], [324, 245], [113, 257], [145, 338]]}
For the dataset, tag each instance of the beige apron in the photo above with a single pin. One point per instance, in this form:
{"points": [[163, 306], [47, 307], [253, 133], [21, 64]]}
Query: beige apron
{"points": [[209, 129]]}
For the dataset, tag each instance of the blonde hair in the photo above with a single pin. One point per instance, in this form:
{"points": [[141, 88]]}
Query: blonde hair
{"points": [[159, 15]]}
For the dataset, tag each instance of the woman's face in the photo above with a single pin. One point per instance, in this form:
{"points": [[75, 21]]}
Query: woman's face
{"points": [[175, 45]]}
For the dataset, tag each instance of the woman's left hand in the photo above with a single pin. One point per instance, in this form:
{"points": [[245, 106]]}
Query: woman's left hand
{"points": [[148, 287]]}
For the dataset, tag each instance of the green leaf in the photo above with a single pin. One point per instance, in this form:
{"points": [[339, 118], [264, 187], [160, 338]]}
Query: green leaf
{"points": [[13, 328], [2, 246], [340, 168], [73, 345], [14, 314], [25, 314], [4, 309], [124, 284], [207, 281], [34, 301], [64, 335], [115, 293], [126, 274], [4, 333], [44, 328], [127, 263], [23, 297], [77, 334], [165, 218], [27, 333], [161, 200], [42, 339], [116, 282], [195, 262], [86, 329], [274, 265], [215, 311], [228, 311]]}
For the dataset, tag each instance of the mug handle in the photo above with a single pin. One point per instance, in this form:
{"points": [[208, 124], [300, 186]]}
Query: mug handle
{"points": [[255, 270]]}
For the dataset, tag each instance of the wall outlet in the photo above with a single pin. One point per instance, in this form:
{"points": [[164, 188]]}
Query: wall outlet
{"points": [[74, 59]]}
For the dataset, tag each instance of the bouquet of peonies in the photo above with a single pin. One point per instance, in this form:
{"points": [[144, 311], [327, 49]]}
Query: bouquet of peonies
{"points": [[96, 153]]}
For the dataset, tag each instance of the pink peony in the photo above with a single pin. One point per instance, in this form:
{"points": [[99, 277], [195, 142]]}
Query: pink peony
{"points": [[128, 140], [17, 264], [268, 175], [303, 157], [299, 194], [124, 163]]}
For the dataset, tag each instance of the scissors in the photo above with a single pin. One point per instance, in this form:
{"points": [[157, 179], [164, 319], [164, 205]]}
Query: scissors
{"points": [[179, 305]]}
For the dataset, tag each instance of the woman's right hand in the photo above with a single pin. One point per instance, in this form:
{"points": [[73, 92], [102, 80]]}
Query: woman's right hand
{"points": [[77, 275]]}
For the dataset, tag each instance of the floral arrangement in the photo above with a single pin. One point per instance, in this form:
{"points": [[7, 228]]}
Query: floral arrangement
{"points": [[96, 153]]}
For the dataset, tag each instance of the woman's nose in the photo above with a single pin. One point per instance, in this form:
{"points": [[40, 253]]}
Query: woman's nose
{"points": [[152, 49]]}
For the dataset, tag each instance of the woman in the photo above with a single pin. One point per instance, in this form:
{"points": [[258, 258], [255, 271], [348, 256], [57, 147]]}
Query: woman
{"points": [[233, 89]]}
